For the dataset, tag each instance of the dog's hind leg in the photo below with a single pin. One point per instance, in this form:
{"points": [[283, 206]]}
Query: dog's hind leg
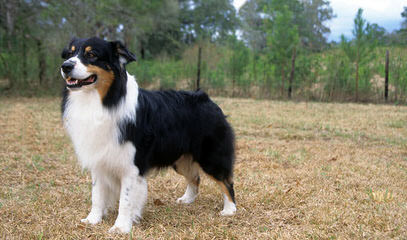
{"points": [[229, 204], [190, 170], [217, 158]]}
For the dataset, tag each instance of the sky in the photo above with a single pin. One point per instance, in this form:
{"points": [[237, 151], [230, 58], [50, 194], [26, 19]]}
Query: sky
{"points": [[386, 13]]}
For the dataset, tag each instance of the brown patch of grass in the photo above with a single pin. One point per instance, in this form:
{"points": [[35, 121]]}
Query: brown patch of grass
{"points": [[303, 170]]}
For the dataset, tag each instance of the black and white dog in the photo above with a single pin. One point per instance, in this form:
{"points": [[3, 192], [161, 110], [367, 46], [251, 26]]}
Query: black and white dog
{"points": [[120, 132]]}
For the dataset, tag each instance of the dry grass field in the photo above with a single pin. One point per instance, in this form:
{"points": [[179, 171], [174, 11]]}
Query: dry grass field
{"points": [[303, 171]]}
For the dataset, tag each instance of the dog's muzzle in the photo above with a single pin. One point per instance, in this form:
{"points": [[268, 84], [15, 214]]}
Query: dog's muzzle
{"points": [[67, 66]]}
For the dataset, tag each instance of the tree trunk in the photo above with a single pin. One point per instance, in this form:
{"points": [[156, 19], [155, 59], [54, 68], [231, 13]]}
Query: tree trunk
{"points": [[357, 82], [142, 50], [254, 68], [290, 87], [198, 73], [41, 62], [282, 80], [7, 72], [264, 76], [386, 82], [9, 6], [357, 78], [24, 58]]}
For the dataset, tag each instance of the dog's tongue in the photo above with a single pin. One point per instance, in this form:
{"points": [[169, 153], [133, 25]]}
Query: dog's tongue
{"points": [[89, 79]]}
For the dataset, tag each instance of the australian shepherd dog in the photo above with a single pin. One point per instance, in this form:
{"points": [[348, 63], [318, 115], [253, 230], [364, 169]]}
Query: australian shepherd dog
{"points": [[120, 132]]}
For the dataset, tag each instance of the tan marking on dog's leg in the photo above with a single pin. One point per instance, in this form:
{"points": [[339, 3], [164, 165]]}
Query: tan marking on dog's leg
{"points": [[190, 170], [229, 205]]}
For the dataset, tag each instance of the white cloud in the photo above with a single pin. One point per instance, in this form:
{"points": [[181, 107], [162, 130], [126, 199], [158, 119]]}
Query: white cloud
{"points": [[238, 3], [386, 13]]}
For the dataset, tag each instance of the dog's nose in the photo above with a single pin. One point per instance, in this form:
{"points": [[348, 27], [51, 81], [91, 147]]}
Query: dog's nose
{"points": [[67, 66]]}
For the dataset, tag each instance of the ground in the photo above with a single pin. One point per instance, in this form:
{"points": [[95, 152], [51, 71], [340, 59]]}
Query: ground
{"points": [[303, 170]]}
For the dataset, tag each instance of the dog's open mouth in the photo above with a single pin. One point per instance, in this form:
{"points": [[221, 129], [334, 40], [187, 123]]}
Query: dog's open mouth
{"points": [[77, 83]]}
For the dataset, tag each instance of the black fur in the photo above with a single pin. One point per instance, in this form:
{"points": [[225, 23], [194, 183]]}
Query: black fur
{"points": [[171, 123]]}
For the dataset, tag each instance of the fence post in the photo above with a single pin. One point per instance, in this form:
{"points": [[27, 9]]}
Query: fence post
{"points": [[290, 87], [198, 77], [386, 81]]}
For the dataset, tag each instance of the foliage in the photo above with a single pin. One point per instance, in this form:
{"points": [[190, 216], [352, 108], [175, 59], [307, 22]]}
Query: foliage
{"points": [[361, 50], [282, 38], [248, 54]]}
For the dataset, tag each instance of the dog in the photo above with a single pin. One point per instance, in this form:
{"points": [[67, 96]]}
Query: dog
{"points": [[120, 132]]}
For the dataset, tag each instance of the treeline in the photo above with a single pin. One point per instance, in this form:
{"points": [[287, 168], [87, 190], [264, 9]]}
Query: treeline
{"points": [[270, 48]]}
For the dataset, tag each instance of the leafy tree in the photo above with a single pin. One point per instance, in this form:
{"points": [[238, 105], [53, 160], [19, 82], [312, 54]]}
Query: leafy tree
{"points": [[404, 16], [253, 25], [312, 26], [238, 62], [207, 19], [282, 39], [402, 33], [361, 49], [309, 15]]}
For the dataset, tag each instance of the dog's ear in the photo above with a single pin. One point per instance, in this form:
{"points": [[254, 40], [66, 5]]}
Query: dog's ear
{"points": [[124, 55], [65, 51]]}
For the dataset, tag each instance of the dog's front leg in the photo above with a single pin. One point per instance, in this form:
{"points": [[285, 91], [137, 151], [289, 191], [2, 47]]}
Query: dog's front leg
{"points": [[133, 196], [99, 189]]}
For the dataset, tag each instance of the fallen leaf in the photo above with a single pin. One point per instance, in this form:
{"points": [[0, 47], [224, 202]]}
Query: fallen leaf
{"points": [[158, 202]]}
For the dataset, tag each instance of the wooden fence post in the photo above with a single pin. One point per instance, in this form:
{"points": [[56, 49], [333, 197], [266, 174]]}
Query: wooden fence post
{"points": [[290, 87], [386, 81], [198, 77]]}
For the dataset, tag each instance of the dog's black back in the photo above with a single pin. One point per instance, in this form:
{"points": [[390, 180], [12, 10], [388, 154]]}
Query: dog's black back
{"points": [[172, 123]]}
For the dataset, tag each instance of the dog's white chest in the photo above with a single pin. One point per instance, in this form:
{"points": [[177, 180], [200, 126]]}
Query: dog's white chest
{"points": [[95, 133]]}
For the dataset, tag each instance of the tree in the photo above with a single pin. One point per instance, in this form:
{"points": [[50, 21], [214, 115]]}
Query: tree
{"points": [[207, 19], [360, 50], [282, 39], [309, 15], [313, 31], [404, 16], [401, 35], [237, 61], [253, 25]]}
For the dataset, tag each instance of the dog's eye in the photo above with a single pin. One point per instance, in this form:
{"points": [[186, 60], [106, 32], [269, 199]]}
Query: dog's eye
{"points": [[90, 55]]}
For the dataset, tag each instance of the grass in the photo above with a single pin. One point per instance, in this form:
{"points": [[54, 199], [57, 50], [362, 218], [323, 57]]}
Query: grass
{"points": [[303, 171]]}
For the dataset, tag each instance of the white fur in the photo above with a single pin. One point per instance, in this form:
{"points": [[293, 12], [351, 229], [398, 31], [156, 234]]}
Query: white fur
{"points": [[80, 71], [229, 208], [190, 194], [95, 135]]}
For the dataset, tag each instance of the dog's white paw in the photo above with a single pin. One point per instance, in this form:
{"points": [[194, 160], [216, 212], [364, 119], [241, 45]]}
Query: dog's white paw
{"points": [[92, 219], [186, 199], [122, 225], [228, 211], [124, 228]]}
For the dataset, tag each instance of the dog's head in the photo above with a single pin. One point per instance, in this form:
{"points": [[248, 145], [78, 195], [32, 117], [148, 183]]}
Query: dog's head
{"points": [[94, 63]]}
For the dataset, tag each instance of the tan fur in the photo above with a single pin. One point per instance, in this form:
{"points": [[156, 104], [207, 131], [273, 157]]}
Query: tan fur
{"points": [[88, 48], [73, 48], [190, 170], [187, 168], [104, 79], [223, 187]]}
